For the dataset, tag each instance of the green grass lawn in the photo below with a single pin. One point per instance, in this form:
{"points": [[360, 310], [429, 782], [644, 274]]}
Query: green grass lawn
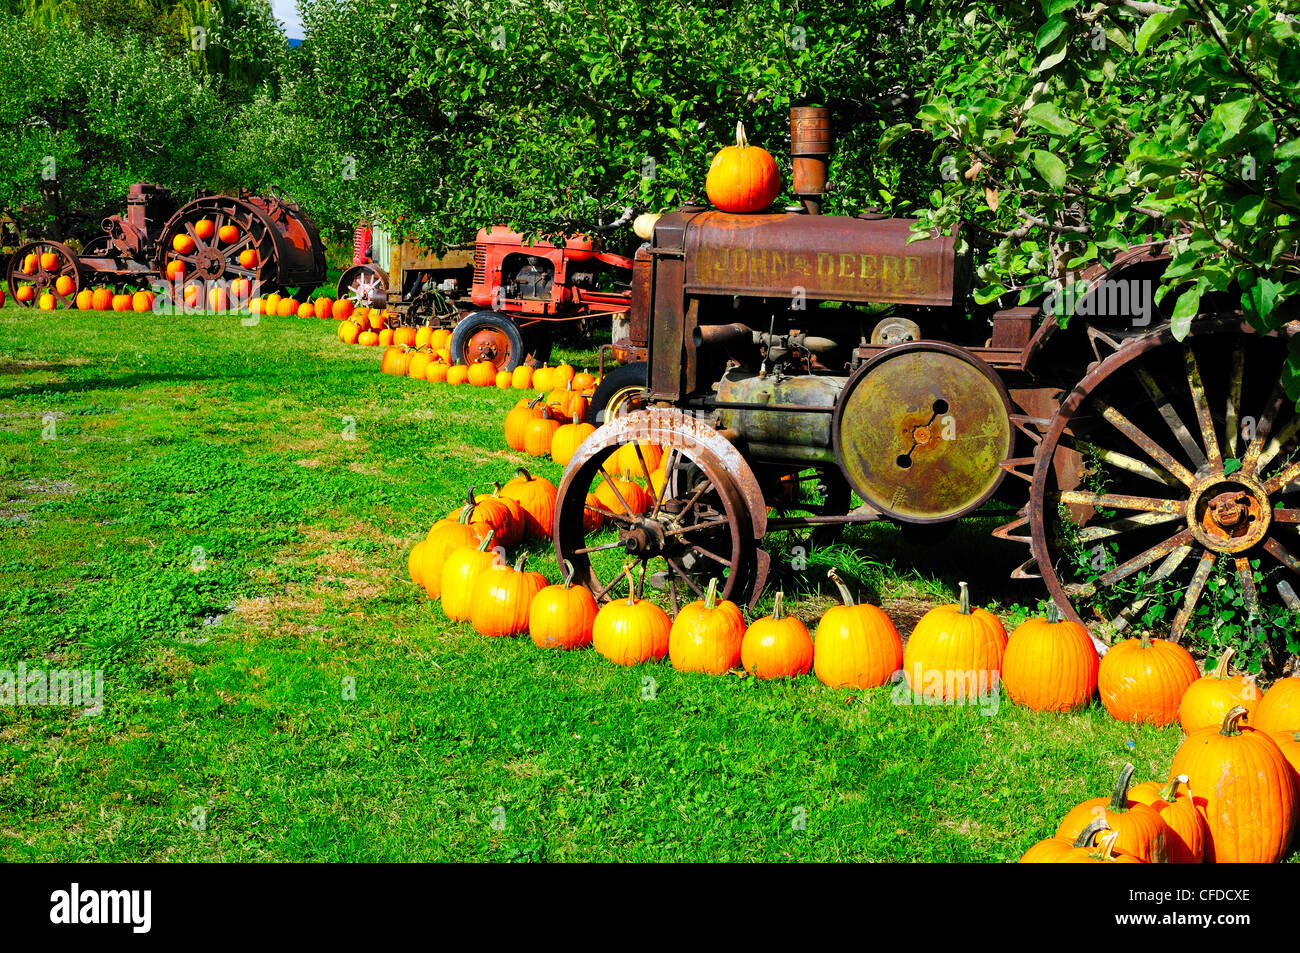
{"points": [[199, 527]]}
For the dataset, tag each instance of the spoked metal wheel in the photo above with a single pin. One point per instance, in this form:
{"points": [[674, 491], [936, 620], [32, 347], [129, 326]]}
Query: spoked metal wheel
{"points": [[366, 286], [40, 268], [221, 239], [1169, 481], [678, 532]]}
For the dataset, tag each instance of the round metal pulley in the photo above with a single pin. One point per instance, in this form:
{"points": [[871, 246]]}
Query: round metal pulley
{"points": [[920, 431]]}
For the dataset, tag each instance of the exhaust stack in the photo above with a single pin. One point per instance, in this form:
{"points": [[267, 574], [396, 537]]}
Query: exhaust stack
{"points": [[810, 148]]}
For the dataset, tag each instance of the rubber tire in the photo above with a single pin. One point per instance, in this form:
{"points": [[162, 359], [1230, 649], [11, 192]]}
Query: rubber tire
{"points": [[477, 320], [621, 377]]}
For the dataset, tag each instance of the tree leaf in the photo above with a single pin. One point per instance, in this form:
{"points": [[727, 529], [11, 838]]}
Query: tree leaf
{"points": [[1189, 302], [1156, 26], [1050, 167], [1047, 116]]}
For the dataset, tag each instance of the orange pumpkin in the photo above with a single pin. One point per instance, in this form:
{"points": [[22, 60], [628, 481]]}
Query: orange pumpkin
{"points": [[457, 374], [142, 301], [1216, 693], [1244, 787], [955, 652], [422, 336], [536, 498], [518, 419], [503, 379], [349, 333], [856, 646], [102, 299], [121, 302], [248, 258], [461, 567], [568, 438], [777, 646], [85, 300], [443, 537], [482, 374], [706, 635], [562, 616], [1143, 679], [543, 377], [64, 285], [306, 311], [414, 563], [323, 307], [521, 378], [47, 302], [175, 270], [341, 310], [742, 178], [490, 507], [1185, 828], [205, 228], [286, 307], [621, 496], [1094, 845], [1279, 709], [1139, 829], [368, 339], [593, 513], [228, 234], [385, 337], [419, 364], [183, 244], [1050, 664], [503, 597], [436, 372], [404, 337], [538, 435], [25, 293], [631, 631]]}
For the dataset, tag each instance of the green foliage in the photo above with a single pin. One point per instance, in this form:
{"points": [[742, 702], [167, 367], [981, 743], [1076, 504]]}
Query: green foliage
{"points": [[1076, 130]]}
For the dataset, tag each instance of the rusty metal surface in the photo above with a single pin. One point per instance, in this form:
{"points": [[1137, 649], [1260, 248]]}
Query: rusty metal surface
{"points": [[780, 412], [811, 139], [921, 432], [830, 257]]}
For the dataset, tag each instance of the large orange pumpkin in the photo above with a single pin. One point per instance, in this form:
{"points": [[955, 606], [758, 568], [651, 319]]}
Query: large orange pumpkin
{"points": [[1245, 789], [228, 234], [461, 567], [1143, 679], [1138, 827], [631, 631], [64, 285], [1185, 828], [522, 377], [561, 616], [85, 300], [443, 537], [457, 374], [1050, 664], [777, 646], [706, 635], [518, 419], [183, 243], [436, 372], [341, 310], [621, 496], [1279, 709], [205, 228], [102, 299], [955, 652], [1095, 844], [855, 646], [536, 497], [248, 258], [502, 598], [503, 514], [742, 178], [538, 434], [482, 374], [568, 438], [1216, 693]]}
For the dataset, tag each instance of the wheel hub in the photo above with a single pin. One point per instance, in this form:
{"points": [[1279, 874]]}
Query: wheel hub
{"points": [[1229, 515], [211, 263], [487, 345], [645, 539]]}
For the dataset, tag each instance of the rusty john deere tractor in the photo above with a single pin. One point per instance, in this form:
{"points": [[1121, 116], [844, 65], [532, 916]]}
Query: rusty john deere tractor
{"points": [[808, 371]]}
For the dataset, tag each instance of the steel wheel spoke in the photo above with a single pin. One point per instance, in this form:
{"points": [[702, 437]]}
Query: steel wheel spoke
{"points": [[1232, 413], [696, 547], [1264, 427], [1175, 423], [686, 577], [1279, 481], [663, 486], [1121, 501], [613, 486], [1285, 516], [1098, 531], [1193, 595], [1121, 460], [707, 524], [1163, 571], [1277, 442], [1283, 555], [1126, 569], [598, 549], [1145, 443], [1202, 404], [611, 515]]}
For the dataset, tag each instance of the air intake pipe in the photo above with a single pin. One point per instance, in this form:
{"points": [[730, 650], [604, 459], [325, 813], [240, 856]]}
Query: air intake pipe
{"points": [[810, 149]]}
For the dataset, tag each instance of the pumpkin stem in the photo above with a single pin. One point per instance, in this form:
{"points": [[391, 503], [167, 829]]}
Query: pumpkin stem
{"points": [[711, 596], [1086, 835], [1107, 845], [535, 401], [466, 512], [521, 472], [575, 418], [631, 583], [778, 610], [1221, 669], [1145, 641], [1230, 727], [496, 489], [519, 563], [845, 596], [964, 599], [741, 141], [1170, 790], [1119, 797], [486, 541], [470, 499], [568, 574], [1053, 613]]}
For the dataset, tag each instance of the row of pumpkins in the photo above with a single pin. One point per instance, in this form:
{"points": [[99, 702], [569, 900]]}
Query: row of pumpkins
{"points": [[1241, 754]]}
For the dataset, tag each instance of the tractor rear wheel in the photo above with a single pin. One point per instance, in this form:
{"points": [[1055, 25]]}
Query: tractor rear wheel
{"points": [[488, 336]]}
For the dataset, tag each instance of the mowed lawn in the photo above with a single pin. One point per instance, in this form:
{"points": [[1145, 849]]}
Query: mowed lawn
{"points": [[199, 526]]}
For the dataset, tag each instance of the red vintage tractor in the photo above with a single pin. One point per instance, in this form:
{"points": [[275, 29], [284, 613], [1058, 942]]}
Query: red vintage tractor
{"points": [[504, 298]]}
